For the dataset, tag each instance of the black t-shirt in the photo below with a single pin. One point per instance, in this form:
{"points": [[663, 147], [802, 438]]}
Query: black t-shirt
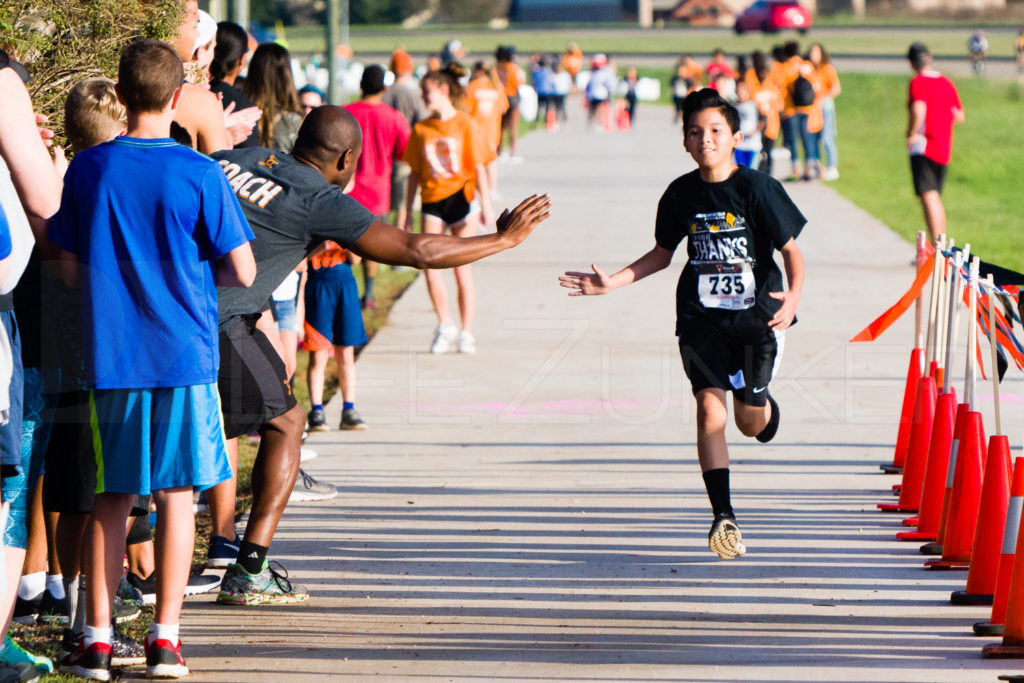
{"points": [[291, 210], [734, 227], [231, 94]]}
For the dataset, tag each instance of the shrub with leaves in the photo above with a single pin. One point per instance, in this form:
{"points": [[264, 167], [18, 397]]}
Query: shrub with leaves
{"points": [[62, 42]]}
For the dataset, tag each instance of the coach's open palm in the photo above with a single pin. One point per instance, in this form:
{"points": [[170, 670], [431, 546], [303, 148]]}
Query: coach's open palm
{"points": [[518, 223]]}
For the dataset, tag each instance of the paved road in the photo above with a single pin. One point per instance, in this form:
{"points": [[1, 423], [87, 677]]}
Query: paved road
{"points": [[535, 512]]}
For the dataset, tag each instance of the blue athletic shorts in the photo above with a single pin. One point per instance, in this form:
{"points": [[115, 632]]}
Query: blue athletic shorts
{"points": [[152, 439], [334, 315]]}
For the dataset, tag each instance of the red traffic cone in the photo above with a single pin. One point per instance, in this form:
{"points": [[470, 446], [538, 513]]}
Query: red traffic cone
{"points": [[899, 457], [920, 435], [935, 472], [988, 534], [994, 626], [935, 548], [963, 504], [1013, 631]]}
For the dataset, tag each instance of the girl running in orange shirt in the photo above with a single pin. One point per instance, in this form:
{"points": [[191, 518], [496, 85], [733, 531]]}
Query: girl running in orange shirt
{"points": [[486, 102], [447, 154]]}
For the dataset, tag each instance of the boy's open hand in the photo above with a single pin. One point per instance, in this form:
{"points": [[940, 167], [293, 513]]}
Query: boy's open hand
{"points": [[586, 284], [784, 316], [520, 222]]}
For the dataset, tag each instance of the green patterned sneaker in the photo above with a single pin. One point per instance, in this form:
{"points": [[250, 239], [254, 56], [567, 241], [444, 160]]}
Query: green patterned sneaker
{"points": [[270, 587], [12, 654]]}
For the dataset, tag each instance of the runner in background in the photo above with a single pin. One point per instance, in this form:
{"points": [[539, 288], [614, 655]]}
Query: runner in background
{"points": [[487, 103]]}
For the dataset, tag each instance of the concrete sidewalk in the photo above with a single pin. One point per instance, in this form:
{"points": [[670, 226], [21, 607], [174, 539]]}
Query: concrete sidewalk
{"points": [[535, 511]]}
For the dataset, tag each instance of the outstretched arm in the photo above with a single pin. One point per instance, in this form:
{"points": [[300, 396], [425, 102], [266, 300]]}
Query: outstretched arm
{"points": [[793, 259], [598, 282], [387, 244]]}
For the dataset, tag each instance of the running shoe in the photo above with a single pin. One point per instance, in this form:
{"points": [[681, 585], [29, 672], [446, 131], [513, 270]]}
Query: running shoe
{"points": [[68, 643], [123, 650], [317, 421], [91, 662], [164, 660], [725, 539], [197, 583], [12, 654], [307, 488], [26, 611], [222, 551], [770, 429], [467, 342], [350, 419], [16, 673], [129, 594], [53, 610], [444, 338], [270, 587], [124, 611], [831, 173]]}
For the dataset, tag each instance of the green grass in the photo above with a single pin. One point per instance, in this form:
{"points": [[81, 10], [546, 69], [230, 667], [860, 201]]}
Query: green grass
{"points": [[943, 39], [981, 196]]}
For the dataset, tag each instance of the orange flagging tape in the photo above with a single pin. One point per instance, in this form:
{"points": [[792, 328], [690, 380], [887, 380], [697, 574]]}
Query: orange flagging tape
{"points": [[884, 321]]}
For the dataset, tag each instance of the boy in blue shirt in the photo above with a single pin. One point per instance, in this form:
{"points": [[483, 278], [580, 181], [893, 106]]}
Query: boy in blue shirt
{"points": [[155, 228], [731, 308]]}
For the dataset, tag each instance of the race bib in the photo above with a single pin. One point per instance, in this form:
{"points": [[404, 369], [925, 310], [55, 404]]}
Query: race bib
{"points": [[728, 286]]}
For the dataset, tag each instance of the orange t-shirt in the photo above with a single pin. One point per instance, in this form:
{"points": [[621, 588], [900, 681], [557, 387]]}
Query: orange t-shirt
{"points": [[511, 76], [766, 96], [827, 78], [445, 155], [572, 61], [486, 104], [332, 255]]}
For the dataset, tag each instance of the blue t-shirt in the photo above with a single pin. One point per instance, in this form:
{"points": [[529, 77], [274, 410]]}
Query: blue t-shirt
{"points": [[147, 219], [5, 235]]}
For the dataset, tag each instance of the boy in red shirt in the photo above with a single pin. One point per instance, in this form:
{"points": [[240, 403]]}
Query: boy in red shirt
{"points": [[933, 107]]}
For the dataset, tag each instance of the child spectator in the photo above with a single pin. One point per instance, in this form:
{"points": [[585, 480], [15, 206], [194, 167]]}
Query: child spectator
{"points": [[764, 91], [270, 86], [630, 83], [229, 53], [448, 155], [680, 86], [155, 414], [749, 147], [310, 97], [563, 84], [731, 310]]}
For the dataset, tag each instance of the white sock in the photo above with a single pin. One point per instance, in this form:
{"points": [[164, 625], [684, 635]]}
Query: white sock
{"points": [[168, 632], [96, 635], [32, 586], [55, 584]]}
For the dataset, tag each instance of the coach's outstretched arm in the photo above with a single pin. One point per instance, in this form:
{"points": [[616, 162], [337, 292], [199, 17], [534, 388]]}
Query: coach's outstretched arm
{"points": [[387, 244]]}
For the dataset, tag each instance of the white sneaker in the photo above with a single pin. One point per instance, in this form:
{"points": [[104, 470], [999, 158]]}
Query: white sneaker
{"points": [[831, 173], [467, 343], [444, 338], [306, 454]]}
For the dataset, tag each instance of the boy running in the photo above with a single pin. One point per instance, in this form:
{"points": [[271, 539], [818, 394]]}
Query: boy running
{"points": [[155, 228], [731, 310]]}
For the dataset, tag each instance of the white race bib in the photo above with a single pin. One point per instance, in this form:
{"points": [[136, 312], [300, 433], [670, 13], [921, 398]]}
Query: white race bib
{"points": [[728, 286]]}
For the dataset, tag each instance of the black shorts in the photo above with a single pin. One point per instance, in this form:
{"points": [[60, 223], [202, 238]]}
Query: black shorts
{"points": [[513, 106], [714, 361], [252, 381], [70, 481], [451, 210], [928, 175]]}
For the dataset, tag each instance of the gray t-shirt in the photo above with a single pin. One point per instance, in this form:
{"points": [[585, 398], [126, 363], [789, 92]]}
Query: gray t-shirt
{"points": [[406, 98], [291, 210]]}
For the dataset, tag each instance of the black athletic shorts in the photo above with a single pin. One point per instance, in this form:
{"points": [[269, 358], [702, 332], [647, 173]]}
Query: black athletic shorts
{"points": [[513, 105], [928, 175], [451, 210], [715, 361], [70, 481], [253, 383]]}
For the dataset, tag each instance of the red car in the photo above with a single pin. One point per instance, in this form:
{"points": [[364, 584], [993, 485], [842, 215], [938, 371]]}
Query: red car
{"points": [[770, 16]]}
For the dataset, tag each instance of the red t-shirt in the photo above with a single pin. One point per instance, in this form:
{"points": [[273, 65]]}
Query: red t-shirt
{"points": [[940, 97], [385, 134]]}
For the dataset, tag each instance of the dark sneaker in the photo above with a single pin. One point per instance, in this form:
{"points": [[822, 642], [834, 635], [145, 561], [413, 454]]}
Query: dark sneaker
{"points": [[68, 643], [308, 488], [316, 421], [270, 587], [222, 551], [350, 420], [725, 539], [53, 610], [164, 660], [768, 433], [91, 662], [197, 583], [129, 593], [15, 673], [13, 654], [26, 611], [124, 651], [125, 612]]}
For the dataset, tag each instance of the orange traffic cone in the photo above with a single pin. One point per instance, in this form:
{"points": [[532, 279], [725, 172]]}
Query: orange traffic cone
{"points": [[963, 505], [994, 626], [935, 548], [899, 457], [550, 122], [920, 435], [988, 534], [1013, 631], [935, 472], [937, 372]]}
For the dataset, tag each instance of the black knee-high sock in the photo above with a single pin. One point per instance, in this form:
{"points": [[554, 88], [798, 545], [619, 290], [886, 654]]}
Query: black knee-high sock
{"points": [[717, 483]]}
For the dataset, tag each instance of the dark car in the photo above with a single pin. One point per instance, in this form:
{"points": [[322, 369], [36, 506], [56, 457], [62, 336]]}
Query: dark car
{"points": [[771, 16]]}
